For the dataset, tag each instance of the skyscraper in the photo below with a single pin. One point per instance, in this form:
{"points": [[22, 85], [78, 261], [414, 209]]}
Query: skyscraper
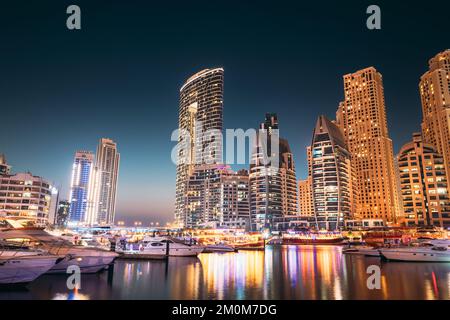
{"points": [[83, 167], [106, 174], [62, 214], [362, 119], [289, 192], [332, 176], [306, 205], [4, 167], [264, 177], [201, 107], [273, 185], [435, 97], [423, 184]]}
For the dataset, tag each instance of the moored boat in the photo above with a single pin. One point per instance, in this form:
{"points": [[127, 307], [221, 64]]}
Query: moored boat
{"points": [[315, 238], [211, 248], [89, 260], [430, 251], [18, 267], [362, 250], [165, 246]]}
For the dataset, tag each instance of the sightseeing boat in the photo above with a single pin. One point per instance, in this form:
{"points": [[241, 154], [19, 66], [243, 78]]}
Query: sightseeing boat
{"points": [[382, 237], [316, 238]]}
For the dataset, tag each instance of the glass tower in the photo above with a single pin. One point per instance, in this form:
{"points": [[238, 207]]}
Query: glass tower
{"points": [[80, 184], [200, 111]]}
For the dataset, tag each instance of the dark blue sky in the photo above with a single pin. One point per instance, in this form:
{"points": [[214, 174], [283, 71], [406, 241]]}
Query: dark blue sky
{"points": [[119, 77]]}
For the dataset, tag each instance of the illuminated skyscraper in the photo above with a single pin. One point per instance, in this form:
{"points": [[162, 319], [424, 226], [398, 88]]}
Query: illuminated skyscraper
{"points": [[235, 199], [288, 179], [332, 176], [201, 106], [423, 184], [83, 167], [435, 96], [264, 178], [362, 119], [106, 174], [62, 214], [273, 185], [306, 205]]}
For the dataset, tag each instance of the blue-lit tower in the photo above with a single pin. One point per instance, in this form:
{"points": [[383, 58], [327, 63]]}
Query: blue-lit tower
{"points": [[82, 174]]}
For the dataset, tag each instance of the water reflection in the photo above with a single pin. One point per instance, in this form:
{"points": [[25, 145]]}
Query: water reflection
{"points": [[288, 272]]}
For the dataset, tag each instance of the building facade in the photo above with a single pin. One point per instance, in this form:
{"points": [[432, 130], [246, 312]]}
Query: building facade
{"points": [[200, 113], [81, 187], [362, 119], [306, 205], [217, 197], [235, 199], [423, 184], [434, 90], [23, 195], [106, 175], [62, 213], [264, 178], [332, 176], [4, 167], [272, 177], [288, 178]]}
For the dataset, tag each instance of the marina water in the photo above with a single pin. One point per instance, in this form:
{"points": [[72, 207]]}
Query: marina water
{"points": [[280, 272]]}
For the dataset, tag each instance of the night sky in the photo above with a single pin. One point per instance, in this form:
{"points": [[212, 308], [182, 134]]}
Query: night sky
{"points": [[119, 77]]}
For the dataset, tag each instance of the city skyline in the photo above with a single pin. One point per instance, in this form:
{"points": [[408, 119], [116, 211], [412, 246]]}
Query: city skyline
{"points": [[252, 88]]}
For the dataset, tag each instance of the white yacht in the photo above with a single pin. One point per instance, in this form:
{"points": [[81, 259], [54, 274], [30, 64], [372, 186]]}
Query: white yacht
{"points": [[362, 250], [429, 251], [158, 246], [21, 266], [90, 260]]}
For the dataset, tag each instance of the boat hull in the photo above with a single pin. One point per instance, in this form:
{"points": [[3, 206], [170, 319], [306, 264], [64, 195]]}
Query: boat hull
{"points": [[89, 260], [174, 251], [415, 256], [87, 264], [24, 269], [219, 249], [368, 252]]}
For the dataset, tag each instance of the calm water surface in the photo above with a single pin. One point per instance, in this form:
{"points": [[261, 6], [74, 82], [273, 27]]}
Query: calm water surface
{"points": [[287, 272]]}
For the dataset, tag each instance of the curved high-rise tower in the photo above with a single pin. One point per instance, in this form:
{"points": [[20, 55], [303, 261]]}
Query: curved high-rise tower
{"points": [[201, 108]]}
